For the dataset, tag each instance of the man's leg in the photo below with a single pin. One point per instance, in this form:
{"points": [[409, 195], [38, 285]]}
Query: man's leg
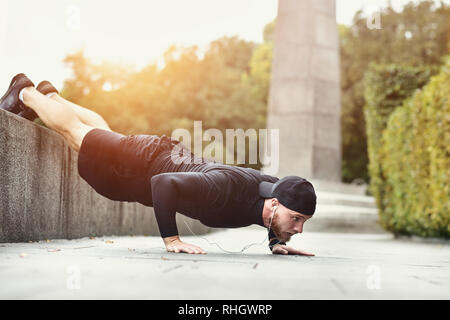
{"points": [[57, 116], [87, 116]]}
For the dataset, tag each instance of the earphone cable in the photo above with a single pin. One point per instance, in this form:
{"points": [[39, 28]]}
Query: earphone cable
{"points": [[244, 248]]}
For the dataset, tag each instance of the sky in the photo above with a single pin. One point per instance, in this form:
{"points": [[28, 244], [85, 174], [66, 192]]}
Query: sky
{"points": [[36, 35]]}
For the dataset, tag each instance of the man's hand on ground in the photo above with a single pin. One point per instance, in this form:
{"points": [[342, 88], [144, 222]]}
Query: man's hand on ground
{"points": [[174, 244], [283, 249]]}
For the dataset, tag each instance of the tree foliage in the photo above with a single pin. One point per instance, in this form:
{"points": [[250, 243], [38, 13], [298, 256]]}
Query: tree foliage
{"points": [[228, 86], [417, 35], [188, 88]]}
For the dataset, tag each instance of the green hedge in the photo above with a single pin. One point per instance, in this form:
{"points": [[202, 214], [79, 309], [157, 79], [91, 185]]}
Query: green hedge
{"points": [[386, 87], [416, 161]]}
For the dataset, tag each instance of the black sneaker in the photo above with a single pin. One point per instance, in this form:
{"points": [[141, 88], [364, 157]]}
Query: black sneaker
{"points": [[45, 87], [10, 100]]}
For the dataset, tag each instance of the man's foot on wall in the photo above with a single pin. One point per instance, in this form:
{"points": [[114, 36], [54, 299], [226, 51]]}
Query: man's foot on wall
{"points": [[44, 87]]}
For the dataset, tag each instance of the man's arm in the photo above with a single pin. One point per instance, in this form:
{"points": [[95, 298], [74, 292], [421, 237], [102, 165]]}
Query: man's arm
{"points": [[273, 240], [279, 247], [165, 195], [169, 190]]}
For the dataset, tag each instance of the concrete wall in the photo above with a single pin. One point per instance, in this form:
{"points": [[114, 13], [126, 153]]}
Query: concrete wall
{"points": [[43, 197]]}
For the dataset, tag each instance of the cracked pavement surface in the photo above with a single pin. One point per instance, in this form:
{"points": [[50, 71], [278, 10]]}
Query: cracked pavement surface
{"points": [[346, 266]]}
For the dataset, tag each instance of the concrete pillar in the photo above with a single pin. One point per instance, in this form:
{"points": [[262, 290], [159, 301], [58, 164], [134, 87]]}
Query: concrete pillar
{"points": [[304, 97]]}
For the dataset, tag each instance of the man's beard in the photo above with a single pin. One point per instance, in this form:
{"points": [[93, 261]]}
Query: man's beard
{"points": [[276, 228]]}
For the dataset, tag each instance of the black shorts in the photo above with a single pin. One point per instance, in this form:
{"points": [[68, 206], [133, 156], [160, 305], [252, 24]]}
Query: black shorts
{"points": [[119, 167]]}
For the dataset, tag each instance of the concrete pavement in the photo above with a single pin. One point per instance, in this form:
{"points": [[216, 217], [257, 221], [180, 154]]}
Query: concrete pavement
{"points": [[346, 266]]}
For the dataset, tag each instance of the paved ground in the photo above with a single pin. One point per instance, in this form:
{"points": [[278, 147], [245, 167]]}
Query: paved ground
{"points": [[346, 266]]}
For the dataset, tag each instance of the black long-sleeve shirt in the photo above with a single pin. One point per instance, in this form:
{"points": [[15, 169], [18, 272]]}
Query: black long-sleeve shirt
{"points": [[218, 195]]}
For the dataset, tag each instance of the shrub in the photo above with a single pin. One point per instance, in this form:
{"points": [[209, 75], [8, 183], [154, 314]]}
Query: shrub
{"points": [[416, 162], [386, 87]]}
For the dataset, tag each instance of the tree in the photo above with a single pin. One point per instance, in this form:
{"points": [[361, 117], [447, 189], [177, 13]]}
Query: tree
{"points": [[188, 88], [419, 34]]}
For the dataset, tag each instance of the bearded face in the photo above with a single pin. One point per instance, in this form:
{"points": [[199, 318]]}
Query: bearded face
{"points": [[279, 229], [286, 223]]}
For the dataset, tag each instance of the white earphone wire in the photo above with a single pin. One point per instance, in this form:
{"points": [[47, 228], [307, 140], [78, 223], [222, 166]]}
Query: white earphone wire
{"points": [[245, 247]]}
